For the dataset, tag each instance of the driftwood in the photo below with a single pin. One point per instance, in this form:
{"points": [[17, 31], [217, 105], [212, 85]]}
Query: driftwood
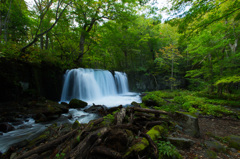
{"points": [[131, 129], [153, 111], [102, 150], [120, 116], [48, 146], [82, 150]]}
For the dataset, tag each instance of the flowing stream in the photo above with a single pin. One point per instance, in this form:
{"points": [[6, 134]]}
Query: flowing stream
{"points": [[99, 87]]}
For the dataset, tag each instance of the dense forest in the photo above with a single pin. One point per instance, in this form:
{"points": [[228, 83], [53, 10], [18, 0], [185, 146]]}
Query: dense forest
{"points": [[182, 55], [197, 39]]}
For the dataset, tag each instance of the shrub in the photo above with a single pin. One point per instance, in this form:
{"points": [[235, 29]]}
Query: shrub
{"points": [[167, 150]]}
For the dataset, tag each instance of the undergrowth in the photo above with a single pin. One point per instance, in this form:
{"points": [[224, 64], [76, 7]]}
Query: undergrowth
{"points": [[193, 102]]}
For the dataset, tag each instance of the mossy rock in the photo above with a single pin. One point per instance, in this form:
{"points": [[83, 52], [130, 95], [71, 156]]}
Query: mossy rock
{"points": [[233, 141], [189, 122], [77, 103], [210, 154], [181, 143], [215, 146], [155, 132]]}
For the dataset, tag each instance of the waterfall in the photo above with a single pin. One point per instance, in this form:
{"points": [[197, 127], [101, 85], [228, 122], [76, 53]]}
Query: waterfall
{"points": [[121, 82], [92, 84]]}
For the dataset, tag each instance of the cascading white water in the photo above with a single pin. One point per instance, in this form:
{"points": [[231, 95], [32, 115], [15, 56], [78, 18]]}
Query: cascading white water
{"points": [[121, 82], [91, 84]]}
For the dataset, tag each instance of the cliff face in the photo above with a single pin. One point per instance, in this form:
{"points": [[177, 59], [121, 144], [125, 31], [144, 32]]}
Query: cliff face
{"points": [[19, 79], [140, 82]]}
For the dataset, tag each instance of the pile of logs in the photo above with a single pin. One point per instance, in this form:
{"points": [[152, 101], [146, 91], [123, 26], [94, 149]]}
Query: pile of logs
{"points": [[130, 133]]}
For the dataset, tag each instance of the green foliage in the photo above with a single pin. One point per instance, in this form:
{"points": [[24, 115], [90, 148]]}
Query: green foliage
{"points": [[108, 119], [60, 156], [153, 99], [228, 80], [167, 150]]}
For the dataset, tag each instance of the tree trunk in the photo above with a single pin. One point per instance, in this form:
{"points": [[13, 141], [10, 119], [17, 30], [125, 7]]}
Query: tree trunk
{"points": [[172, 74], [6, 21], [46, 42], [81, 46], [45, 32], [234, 46], [41, 41], [0, 27]]}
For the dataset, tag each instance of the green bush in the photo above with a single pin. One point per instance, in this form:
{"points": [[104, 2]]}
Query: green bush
{"points": [[167, 150]]}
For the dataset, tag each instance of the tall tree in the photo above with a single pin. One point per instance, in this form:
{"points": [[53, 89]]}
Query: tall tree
{"points": [[42, 8]]}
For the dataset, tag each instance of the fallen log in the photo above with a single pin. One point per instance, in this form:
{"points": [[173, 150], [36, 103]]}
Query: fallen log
{"points": [[102, 150], [153, 111], [119, 116], [152, 144], [143, 143], [83, 148], [48, 145]]}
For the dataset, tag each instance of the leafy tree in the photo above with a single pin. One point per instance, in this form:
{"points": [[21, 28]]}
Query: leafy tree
{"points": [[42, 8]]}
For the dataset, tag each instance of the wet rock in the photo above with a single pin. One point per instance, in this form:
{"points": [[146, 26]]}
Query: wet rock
{"points": [[76, 103], [181, 143], [40, 118], [215, 146], [5, 127], [188, 122], [98, 109], [135, 104], [233, 141]]}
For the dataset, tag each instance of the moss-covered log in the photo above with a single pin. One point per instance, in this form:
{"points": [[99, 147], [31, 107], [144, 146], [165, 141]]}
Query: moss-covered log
{"points": [[154, 133]]}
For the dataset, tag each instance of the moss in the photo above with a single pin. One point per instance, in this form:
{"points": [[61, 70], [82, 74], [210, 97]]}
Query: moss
{"points": [[211, 154], [76, 103], [233, 141], [154, 134], [76, 124], [187, 113]]}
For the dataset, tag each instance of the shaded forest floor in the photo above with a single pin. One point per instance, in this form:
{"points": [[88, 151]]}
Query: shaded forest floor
{"points": [[213, 129]]}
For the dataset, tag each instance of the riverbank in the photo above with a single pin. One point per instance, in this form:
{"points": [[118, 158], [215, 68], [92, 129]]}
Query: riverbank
{"points": [[144, 130]]}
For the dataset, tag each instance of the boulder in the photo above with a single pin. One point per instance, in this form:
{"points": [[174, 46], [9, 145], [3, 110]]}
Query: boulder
{"points": [[5, 127], [77, 103], [181, 143], [188, 122], [215, 146], [233, 141], [98, 109]]}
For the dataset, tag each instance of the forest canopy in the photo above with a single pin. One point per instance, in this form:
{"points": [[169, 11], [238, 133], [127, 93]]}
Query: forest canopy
{"points": [[200, 39]]}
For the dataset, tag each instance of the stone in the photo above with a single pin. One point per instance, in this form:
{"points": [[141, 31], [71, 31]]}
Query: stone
{"points": [[135, 104], [215, 146], [210, 154], [5, 127], [76, 103], [98, 109], [233, 141], [188, 122], [181, 143]]}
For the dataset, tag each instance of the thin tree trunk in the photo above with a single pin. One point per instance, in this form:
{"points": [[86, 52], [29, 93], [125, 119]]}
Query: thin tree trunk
{"points": [[45, 32], [172, 74], [234, 46], [6, 23], [0, 27], [41, 41], [46, 42]]}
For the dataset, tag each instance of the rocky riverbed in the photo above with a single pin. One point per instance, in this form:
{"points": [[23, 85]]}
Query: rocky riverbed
{"points": [[134, 132]]}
